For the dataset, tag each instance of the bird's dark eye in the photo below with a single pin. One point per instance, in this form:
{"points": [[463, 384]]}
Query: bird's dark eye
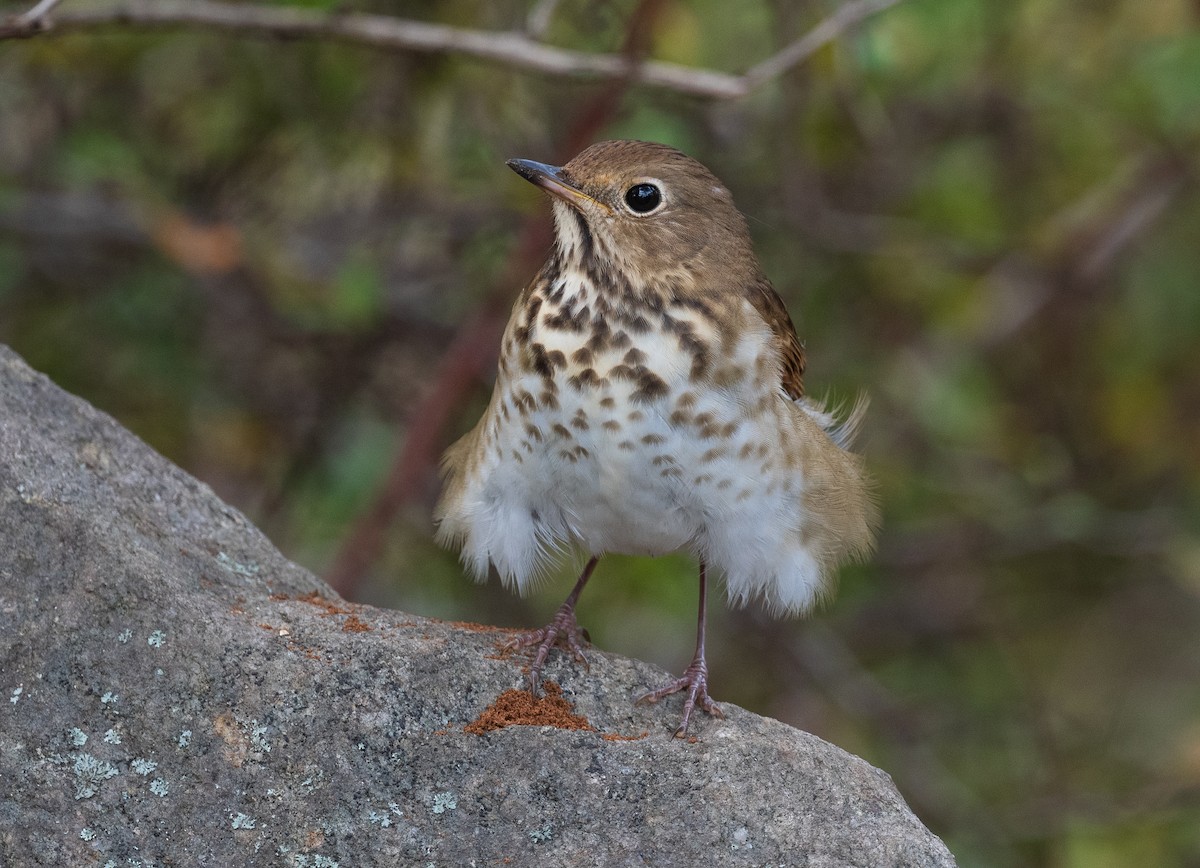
{"points": [[643, 198]]}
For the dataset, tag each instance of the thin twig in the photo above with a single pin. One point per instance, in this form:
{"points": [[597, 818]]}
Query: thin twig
{"points": [[36, 20], [518, 50], [38, 12], [846, 16]]}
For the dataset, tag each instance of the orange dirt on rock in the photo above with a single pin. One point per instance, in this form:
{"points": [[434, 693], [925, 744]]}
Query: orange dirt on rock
{"points": [[616, 736], [472, 627], [313, 599], [522, 708]]}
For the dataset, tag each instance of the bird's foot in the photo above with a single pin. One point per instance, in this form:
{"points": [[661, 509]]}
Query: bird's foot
{"points": [[695, 681], [563, 630]]}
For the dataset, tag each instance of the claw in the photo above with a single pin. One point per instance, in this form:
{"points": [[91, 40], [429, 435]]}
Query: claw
{"points": [[562, 631], [695, 681]]}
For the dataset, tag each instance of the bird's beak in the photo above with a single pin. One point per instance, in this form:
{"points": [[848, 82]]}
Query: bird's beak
{"points": [[550, 179]]}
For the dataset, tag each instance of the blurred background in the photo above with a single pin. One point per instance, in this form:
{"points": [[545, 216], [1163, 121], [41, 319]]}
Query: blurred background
{"points": [[285, 263]]}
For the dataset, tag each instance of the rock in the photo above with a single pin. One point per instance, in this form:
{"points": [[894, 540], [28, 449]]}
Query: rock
{"points": [[173, 691]]}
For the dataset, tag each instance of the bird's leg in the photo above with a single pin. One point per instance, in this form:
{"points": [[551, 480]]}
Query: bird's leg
{"points": [[562, 630], [695, 677]]}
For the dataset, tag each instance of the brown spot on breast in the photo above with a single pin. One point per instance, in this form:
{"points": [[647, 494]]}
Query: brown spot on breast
{"points": [[626, 445], [650, 387], [653, 439], [634, 357], [680, 417], [660, 460], [686, 400], [582, 356], [746, 451], [585, 378], [608, 403], [601, 336], [557, 358], [580, 422], [547, 399], [538, 362], [671, 471], [524, 401], [620, 340], [638, 324], [534, 432], [611, 425], [568, 320], [517, 457], [724, 484], [636, 416], [562, 431], [702, 479]]}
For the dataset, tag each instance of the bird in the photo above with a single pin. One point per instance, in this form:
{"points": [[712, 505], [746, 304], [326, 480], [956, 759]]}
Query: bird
{"points": [[649, 399]]}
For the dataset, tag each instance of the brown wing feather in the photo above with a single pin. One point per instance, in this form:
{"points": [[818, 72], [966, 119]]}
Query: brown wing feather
{"points": [[770, 306]]}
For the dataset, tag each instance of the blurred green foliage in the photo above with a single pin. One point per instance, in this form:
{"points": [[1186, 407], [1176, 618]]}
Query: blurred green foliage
{"points": [[253, 253]]}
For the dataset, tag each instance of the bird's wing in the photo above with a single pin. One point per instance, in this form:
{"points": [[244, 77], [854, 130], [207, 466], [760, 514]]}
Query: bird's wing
{"points": [[770, 306]]}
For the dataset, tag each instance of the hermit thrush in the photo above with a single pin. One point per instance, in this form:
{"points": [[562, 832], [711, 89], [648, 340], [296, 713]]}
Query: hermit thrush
{"points": [[649, 399]]}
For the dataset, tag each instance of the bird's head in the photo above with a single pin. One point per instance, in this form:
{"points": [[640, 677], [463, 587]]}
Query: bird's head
{"points": [[647, 210]]}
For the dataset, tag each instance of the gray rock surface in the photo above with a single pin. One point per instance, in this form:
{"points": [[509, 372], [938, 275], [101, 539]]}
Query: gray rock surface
{"points": [[169, 695]]}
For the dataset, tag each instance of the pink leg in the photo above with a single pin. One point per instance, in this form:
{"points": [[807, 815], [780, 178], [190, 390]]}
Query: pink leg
{"points": [[695, 677], [562, 630]]}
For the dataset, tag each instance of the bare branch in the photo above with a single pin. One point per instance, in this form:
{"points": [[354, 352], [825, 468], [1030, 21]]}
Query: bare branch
{"points": [[845, 17], [514, 49], [38, 12], [29, 23]]}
